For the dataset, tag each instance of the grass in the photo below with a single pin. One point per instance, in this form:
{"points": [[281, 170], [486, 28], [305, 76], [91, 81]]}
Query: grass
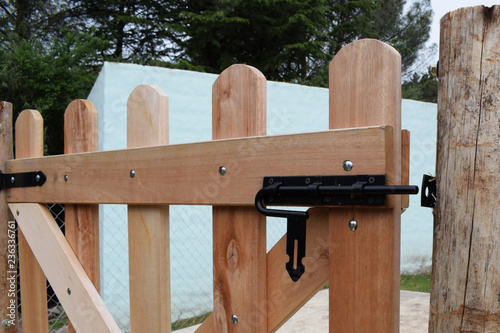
{"points": [[420, 282], [183, 323]]}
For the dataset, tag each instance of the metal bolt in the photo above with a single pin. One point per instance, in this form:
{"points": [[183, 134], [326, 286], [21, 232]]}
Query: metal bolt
{"points": [[5, 323], [353, 225], [17, 212], [234, 319], [222, 170], [69, 291], [371, 180], [348, 165], [271, 181], [37, 178], [308, 181], [12, 179], [132, 173], [66, 178]]}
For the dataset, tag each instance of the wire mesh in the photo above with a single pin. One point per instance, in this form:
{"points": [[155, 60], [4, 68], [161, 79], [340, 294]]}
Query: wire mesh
{"points": [[190, 265]]}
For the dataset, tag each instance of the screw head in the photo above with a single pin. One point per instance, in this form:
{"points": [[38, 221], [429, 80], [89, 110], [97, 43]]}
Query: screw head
{"points": [[222, 170], [5, 323], [348, 165], [66, 177], [69, 291], [12, 179], [37, 178], [132, 173], [17, 212], [234, 319], [353, 225]]}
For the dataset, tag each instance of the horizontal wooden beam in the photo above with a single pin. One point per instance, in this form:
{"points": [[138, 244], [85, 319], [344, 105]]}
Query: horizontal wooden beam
{"points": [[73, 288], [188, 174]]}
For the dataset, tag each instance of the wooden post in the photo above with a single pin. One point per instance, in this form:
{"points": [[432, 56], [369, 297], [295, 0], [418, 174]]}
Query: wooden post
{"points": [[365, 90], [82, 221], [29, 143], [8, 262], [239, 233], [466, 265], [148, 226]]}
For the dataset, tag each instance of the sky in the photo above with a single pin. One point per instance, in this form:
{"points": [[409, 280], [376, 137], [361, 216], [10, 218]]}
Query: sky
{"points": [[441, 7]]}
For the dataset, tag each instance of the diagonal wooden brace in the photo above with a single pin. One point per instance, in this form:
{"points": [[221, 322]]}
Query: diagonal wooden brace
{"points": [[73, 288]]}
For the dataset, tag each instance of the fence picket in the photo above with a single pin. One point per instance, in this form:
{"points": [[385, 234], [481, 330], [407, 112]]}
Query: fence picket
{"points": [[29, 143], [82, 221], [148, 226], [239, 233], [365, 79]]}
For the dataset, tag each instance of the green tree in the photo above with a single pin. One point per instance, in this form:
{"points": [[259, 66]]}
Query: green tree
{"points": [[422, 87], [136, 31], [278, 37], [294, 40], [406, 31], [45, 62]]}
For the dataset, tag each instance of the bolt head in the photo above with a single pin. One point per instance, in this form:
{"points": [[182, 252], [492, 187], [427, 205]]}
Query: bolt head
{"points": [[5, 323], [12, 179], [353, 225], [348, 165], [37, 178], [132, 173], [66, 178], [69, 291], [234, 319], [222, 170]]}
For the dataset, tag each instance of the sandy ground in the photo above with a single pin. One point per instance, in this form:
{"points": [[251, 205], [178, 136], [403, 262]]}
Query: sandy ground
{"points": [[313, 317]]}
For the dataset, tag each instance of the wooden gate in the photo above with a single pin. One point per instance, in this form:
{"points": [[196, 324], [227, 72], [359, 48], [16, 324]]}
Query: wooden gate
{"points": [[252, 290]]}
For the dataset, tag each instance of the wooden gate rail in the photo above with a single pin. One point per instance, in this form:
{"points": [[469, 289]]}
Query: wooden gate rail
{"points": [[252, 290], [188, 174]]}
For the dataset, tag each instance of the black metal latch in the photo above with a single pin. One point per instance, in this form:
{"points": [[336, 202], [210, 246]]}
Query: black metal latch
{"points": [[358, 190], [22, 179]]}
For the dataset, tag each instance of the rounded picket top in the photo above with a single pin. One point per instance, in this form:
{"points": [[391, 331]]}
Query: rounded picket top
{"points": [[365, 76], [239, 103], [80, 127], [29, 127], [147, 117]]}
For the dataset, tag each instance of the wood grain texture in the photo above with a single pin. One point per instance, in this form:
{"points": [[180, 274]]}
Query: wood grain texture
{"points": [[466, 265], [29, 143], [82, 221], [365, 90], [148, 226], [189, 173], [285, 297], [73, 288], [7, 302], [239, 233]]}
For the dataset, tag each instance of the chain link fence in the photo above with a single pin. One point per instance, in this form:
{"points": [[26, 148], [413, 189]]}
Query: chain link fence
{"points": [[190, 265]]}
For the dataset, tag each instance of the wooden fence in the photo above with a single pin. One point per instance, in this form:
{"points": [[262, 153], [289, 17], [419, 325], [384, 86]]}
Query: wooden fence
{"points": [[252, 290]]}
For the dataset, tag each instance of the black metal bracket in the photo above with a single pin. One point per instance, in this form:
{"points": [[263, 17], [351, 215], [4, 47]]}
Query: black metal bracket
{"points": [[22, 179], [428, 194], [356, 190]]}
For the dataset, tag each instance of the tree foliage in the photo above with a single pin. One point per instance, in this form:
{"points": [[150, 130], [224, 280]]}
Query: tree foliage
{"points": [[51, 50], [422, 87]]}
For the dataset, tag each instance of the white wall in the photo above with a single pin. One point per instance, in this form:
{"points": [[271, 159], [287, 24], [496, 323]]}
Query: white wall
{"points": [[291, 109]]}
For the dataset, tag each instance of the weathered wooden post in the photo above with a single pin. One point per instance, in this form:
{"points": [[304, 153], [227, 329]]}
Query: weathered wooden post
{"points": [[466, 262], [8, 317]]}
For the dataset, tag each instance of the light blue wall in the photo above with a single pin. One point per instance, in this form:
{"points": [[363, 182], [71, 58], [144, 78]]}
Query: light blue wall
{"points": [[291, 109]]}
